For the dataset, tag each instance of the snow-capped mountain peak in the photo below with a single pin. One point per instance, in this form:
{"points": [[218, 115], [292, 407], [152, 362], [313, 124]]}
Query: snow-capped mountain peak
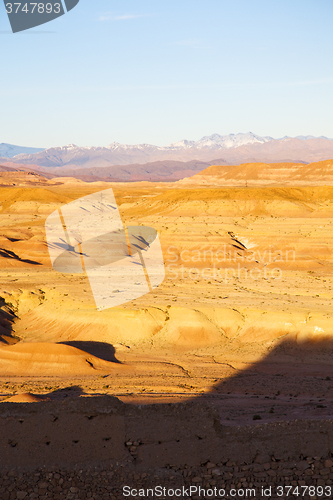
{"points": [[216, 141]]}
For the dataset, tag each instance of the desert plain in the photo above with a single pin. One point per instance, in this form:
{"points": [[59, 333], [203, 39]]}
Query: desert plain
{"points": [[243, 318]]}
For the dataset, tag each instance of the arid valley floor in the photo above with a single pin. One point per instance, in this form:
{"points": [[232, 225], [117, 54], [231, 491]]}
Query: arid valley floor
{"points": [[243, 318]]}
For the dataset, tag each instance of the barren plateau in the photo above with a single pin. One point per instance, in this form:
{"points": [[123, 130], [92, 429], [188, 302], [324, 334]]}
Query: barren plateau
{"points": [[243, 318]]}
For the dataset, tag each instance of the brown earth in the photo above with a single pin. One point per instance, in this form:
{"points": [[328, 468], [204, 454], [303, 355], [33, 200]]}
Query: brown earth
{"points": [[243, 313]]}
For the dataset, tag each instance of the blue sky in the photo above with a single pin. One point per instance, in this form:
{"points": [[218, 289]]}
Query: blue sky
{"points": [[157, 72]]}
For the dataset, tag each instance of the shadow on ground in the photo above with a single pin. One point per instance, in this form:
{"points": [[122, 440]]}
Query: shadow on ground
{"points": [[101, 350], [7, 319], [290, 368]]}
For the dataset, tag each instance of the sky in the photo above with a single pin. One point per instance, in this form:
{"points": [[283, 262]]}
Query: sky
{"points": [[156, 72]]}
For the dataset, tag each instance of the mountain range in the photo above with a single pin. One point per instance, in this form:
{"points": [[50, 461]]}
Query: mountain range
{"points": [[9, 150], [121, 154], [173, 162]]}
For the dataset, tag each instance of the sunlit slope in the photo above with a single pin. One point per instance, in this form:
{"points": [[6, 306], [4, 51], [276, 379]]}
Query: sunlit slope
{"points": [[318, 173], [23, 211], [50, 359], [279, 201]]}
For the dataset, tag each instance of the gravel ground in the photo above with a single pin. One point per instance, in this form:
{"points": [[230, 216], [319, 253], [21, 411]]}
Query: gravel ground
{"points": [[309, 477]]}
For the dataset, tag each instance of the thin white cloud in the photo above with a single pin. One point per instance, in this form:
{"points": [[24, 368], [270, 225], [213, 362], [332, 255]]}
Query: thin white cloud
{"points": [[109, 16]]}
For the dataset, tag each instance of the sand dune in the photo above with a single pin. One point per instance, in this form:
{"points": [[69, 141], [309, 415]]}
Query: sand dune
{"points": [[25, 397], [50, 359]]}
